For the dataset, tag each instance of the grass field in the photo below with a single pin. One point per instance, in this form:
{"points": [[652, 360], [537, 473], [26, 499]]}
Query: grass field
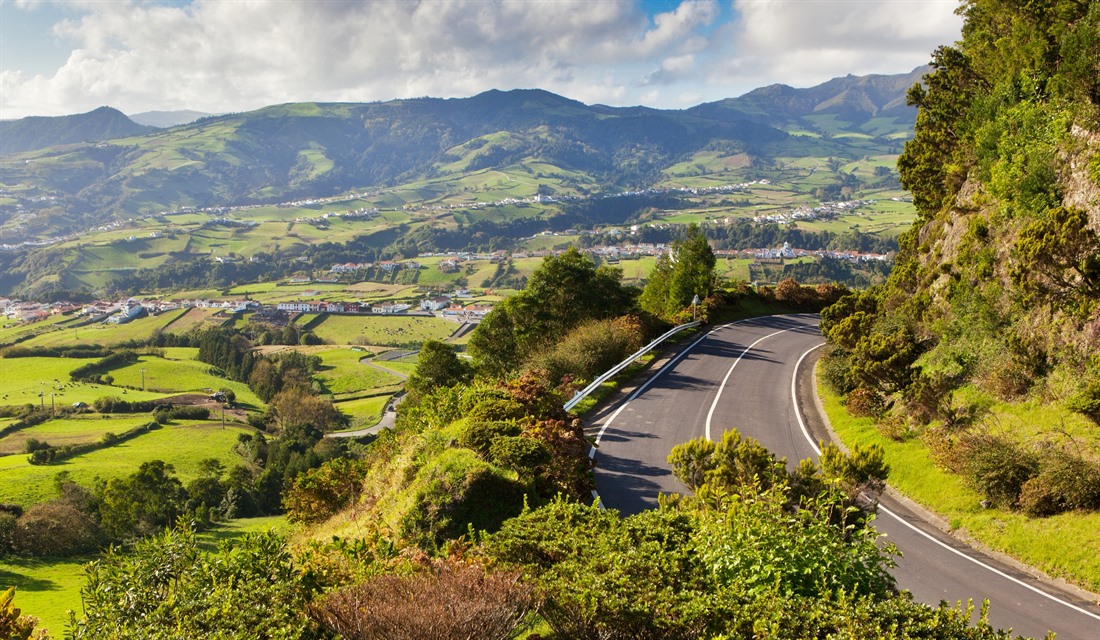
{"points": [[382, 330], [107, 334], [169, 376], [364, 412], [23, 379], [183, 446], [11, 330], [77, 429], [343, 374], [1063, 546]]}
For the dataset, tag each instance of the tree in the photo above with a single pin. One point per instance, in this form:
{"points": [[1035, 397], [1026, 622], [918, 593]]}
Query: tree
{"points": [[139, 504], [1059, 256], [437, 366], [297, 406], [687, 271], [563, 292], [249, 588]]}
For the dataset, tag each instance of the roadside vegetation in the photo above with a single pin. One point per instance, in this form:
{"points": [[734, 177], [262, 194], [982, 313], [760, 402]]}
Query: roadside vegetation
{"points": [[975, 365]]}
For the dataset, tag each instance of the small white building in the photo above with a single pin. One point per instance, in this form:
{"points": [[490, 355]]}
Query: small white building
{"points": [[435, 304]]}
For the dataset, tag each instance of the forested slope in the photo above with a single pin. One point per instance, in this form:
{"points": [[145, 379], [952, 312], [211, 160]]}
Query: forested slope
{"points": [[995, 296]]}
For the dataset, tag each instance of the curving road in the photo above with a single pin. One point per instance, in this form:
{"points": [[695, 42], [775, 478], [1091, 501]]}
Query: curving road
{"points": [[753, 376]]}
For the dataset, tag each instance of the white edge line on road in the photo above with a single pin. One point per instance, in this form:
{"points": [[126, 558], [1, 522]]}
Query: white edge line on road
{"points": [[806, 433], [794, 399], [721, 387], [651, 380]]}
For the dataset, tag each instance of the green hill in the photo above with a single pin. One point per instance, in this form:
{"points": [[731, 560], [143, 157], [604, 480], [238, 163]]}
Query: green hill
{"points": [[309, 150], [29, 134]]}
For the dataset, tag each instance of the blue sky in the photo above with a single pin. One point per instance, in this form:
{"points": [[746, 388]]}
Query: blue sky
{"points": [[61, 57]]}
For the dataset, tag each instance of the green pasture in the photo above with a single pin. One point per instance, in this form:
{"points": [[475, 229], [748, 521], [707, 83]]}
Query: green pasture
{"points": [[172, 376], [46, 588], [405, 365], [195, 318], [483, 274], [77, 429], [886, 224], [431, 276], [183, 446], [635, 271], [734, 269], [107, 334], [541, 242], [13, 330], [343, 373], [22, 379], [384, 330], [364, 412]]}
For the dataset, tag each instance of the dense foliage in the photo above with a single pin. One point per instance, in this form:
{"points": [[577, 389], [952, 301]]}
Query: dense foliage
{"points": [[563, 292], [997, 287]]}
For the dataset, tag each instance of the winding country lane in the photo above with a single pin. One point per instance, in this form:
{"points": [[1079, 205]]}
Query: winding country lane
{"points": [[753, 376]]}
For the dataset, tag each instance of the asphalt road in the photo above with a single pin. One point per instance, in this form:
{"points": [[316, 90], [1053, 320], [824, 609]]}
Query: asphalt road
{"points": [[743, 376]]}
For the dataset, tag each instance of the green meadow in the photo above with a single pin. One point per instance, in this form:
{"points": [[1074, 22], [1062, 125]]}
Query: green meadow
{"points": [[75, 429], [183, 446], [179, 375], [48, 588], [364, 412], [382, 330], [107, 334], [343, 374], [24, 379]]}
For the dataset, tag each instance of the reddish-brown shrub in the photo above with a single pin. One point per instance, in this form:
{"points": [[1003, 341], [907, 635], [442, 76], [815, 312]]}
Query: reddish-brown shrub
{"points": [[451, 600]]}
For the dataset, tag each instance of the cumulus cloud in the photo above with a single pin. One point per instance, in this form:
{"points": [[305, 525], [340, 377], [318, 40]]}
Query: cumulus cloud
{"points": [[806, 42], [221, 56], [218, 56]]}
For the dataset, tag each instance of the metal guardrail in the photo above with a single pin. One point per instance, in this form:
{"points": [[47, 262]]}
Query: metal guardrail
{"points": [[583, 393]]}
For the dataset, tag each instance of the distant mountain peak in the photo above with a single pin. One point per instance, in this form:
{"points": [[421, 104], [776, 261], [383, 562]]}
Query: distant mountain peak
{"points": [[40, 132]]}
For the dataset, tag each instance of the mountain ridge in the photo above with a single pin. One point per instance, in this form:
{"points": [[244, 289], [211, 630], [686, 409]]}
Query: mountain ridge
{"points": [[304, 150]]}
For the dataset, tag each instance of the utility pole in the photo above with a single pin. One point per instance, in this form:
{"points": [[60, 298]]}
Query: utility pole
{"points": [[143, 377]]}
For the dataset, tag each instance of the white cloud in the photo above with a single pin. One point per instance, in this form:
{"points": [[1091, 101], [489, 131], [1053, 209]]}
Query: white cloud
{"points": [[216, 56], [806, 42]]}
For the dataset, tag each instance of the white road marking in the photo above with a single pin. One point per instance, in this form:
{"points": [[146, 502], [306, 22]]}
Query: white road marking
{"points": [[806, 433], [721, 387]]}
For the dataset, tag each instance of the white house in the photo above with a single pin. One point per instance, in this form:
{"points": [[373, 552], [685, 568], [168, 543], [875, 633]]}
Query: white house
{"points": [[435, 304]]}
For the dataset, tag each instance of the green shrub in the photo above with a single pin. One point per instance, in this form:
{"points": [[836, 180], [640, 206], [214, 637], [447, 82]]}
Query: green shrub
{"points": [[321, 492], [34, 444], [590, 349], [834, 370], [56, 529], [1064, 482], [1087, 400], [479, 435], [496, 407], [7, 532], [996, 467], [864, 402], [518, 453], [454, 492]]}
